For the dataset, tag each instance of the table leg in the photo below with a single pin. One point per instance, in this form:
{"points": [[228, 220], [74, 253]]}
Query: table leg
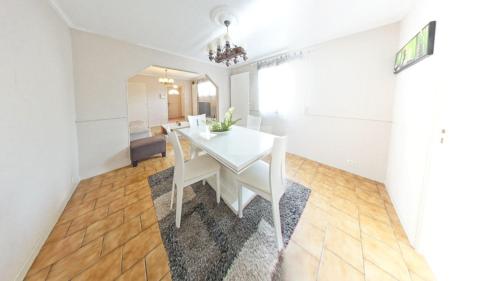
{"points": [[229, 189]]}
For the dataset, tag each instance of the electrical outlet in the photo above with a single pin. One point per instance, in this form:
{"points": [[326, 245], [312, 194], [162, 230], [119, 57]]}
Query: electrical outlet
{"points": [[350, 162]]}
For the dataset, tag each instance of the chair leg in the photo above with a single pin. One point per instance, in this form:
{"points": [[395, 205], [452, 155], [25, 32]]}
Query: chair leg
{"points": [[217, 179], [240, 200], [173, 195], [277, 224], [192, 151], [178, 207]]}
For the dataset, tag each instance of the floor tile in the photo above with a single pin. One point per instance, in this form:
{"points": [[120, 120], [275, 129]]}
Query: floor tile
{"points": [[39, 275], [298, 264], [374, 273], [139, 246], [148, 218], [89, 218], [416, 262], [310, 238], [379, 230], [334, 268], [385, 257], [314, 216], [55, 251], [345, 246], [374, 212], [344, 205], [368, 186], [110, 197], [373, 198], [344, 222], [98, 228], [106, 268], [98, 193], [121, 235], [76, 211], [344, 192], [58, 232], [136, 273], [131, 188], [157, 263], [138, 207], [167, 277], [123, 202], [415, 277], [72, 264]]}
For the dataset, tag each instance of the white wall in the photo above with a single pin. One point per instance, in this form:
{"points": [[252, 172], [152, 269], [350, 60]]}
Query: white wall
{"points": [[102, 67], [39, 165], [343, 100], [137, 100], [155, 107], [446, 194]]}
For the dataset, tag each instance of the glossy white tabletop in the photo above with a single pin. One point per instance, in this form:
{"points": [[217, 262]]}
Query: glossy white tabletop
{"points": [[235, 149]]}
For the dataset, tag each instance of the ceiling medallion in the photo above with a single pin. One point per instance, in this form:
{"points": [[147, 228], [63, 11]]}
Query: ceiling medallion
{"points": [[226, 52]]}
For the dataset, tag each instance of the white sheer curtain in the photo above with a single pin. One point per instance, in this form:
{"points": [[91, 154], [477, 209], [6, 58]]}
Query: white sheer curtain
{"points": [[206, 89], [276, 88]]}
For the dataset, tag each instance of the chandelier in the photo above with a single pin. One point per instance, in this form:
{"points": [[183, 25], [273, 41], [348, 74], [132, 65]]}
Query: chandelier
{"points": [[227, 54], [165, 80]]}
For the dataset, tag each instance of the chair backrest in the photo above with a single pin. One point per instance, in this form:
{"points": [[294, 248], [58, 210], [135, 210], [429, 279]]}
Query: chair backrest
{"points": [[277, 172], [197, 121], [253, 122], [179, 156]]}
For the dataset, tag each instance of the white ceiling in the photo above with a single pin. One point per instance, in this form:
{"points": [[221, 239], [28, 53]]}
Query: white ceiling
{"points": [[158, 71], [184, 27]]}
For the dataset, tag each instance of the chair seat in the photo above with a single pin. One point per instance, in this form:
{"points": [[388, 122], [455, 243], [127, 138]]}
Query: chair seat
{"points": [[257, 176], [199, 167]]}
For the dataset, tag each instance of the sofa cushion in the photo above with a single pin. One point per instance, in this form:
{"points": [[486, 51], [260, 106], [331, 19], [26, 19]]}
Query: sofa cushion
{"points": [[144, 148]]}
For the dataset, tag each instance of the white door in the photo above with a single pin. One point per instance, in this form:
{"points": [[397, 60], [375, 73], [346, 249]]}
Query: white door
{"points": [[459, 229], [174, 105], [240, 96]]}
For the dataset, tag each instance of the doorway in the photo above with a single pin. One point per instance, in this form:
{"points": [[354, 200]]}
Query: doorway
{"points": [[159, 96], [174, 104]]}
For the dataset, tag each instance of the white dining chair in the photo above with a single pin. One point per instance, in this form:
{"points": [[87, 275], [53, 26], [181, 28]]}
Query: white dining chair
{"points": [[187, 173], [267, 181], [199, 122], [253, 122]]}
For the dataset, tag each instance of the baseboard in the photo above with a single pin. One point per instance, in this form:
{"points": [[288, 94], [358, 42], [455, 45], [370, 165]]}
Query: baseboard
{"points": [[44, 235]]}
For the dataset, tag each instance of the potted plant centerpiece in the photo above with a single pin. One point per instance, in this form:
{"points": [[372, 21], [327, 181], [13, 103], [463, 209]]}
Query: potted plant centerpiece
{"points": [[226, 124]]}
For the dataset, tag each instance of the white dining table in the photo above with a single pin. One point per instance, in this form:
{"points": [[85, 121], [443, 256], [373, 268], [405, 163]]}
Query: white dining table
{"points": [[236, 150]]}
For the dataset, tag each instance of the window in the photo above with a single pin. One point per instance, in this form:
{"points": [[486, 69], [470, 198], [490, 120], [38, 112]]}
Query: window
{"points": [[276, 88], [206, 89]]}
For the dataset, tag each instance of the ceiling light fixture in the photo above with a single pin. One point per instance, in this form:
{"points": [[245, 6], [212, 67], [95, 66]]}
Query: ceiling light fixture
{"points": [[224, 53], [165, 80]]}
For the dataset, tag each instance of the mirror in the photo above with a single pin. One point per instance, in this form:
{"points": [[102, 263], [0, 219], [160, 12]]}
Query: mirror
{"points": [[205, 98]]}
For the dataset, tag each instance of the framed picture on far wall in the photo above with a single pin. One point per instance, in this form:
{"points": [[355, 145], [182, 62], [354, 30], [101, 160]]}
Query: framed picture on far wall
{"points": [[419, 47]]}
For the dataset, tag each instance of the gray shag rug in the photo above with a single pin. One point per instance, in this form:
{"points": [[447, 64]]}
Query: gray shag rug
{"points": [[212, 242]]}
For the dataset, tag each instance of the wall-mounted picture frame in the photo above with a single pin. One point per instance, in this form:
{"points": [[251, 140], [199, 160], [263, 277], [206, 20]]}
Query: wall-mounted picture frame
{"points": [[418, 48]]}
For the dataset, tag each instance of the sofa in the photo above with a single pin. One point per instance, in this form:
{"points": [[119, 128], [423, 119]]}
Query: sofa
{"points": [[144, 148]]}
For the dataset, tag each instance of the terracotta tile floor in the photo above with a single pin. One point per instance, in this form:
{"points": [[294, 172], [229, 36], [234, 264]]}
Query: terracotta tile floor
{"points": [[349, 230]]}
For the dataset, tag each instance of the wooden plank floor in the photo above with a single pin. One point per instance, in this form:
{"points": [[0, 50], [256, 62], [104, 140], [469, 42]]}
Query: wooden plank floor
{"points": [[349, 230]]}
